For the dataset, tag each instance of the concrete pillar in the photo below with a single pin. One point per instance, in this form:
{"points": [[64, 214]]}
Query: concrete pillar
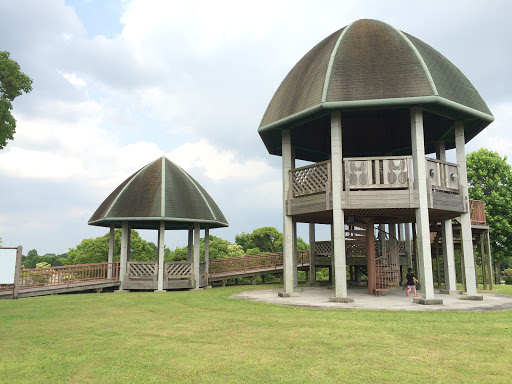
{"points": [[482, 254], [161, 248], [422, 221], [288, 225], [196, 260], [110, 257], [450, 276], [190, 244], [129, 243], [294, 248], [489, 261], [467, 242], [312, 266], [207, 252], [338, 216], [408, 245], [124, 253], [370, 257]]}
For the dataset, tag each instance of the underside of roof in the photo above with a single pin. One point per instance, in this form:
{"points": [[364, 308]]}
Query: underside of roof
{"points": [[160, 191], [373, 73]]}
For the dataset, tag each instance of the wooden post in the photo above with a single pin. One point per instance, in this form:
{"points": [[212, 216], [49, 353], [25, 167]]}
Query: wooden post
{"points": [[190, 244], [125, 245]]}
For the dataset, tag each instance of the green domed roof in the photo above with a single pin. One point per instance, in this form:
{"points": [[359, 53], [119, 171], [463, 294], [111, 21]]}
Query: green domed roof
{"points": [[371, 66], [159, 191]]}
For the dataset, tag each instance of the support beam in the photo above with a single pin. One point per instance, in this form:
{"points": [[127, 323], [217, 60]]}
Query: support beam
{"points": [[338, 216], [196, 261], [110, 257], [288, 225], [422, 220], [408, 247], [467, 237], [482, 254], [161, 246], [125, 238]]}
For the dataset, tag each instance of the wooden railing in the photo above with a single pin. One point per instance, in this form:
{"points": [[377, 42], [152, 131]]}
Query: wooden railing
{"points": [[443, 176], [477, 212], [68, 274], [311, 179], [253, 262], [387, 172], [378, 172]]}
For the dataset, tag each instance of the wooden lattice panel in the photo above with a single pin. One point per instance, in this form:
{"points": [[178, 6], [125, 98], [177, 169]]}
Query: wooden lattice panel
{"points": [[310, 180], [323, 248], [142, 269], [178, 270]]}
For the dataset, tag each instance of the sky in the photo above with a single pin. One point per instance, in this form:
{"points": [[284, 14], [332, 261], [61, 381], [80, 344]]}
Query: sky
{"points": [[119, 83]]}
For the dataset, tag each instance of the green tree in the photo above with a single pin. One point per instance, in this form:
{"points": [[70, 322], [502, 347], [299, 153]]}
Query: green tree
{"points": [[490, 180], [265, 239], [96, 250], [12, 83]]}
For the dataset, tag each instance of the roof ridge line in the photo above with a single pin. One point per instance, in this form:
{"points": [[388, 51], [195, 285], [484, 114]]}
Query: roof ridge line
{"points": [[420, 58], [162, 189], [331, 61], [126, 186], [198, 190]]}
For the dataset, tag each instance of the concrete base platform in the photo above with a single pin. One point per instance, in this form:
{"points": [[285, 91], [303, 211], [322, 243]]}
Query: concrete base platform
{"points": [[341, 299], [450, 292], [318, 297], [474, 297], [419, 300], [288, 294]]}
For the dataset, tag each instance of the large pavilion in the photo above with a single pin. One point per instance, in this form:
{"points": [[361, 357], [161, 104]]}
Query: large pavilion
{"points": [[160, 196], [365, 106]]}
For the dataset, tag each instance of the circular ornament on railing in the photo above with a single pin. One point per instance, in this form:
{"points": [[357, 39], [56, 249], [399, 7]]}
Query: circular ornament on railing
{"points": [[402, 177], [352, 179], [431, 173], [353, 167], [363, 178], [391, 177], [452, 177]]}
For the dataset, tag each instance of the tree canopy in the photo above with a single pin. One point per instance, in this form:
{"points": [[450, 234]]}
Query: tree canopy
{"points": [[12, 83], [490, 180]]}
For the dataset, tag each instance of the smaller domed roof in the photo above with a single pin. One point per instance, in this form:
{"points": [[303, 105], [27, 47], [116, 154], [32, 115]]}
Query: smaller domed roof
{"points": [[160, 191]]}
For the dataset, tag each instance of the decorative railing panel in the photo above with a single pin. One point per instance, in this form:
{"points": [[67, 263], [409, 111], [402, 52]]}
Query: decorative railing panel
{"points": [[322, 248], [378, 172], [178, 270], [477, 212], [443, 176], [311, 179], [68, 274], [142, 269]]}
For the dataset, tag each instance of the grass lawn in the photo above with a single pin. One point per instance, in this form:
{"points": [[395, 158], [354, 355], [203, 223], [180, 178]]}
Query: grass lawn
{"points": [[205, 337]]}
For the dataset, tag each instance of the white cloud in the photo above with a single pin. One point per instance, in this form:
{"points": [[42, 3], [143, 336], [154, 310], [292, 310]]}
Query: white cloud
{"points": [[218, 164], [74, 79]]}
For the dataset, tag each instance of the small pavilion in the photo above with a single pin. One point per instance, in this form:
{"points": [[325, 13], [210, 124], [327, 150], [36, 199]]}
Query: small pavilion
{"points": [[364, 107], [160, 196]]}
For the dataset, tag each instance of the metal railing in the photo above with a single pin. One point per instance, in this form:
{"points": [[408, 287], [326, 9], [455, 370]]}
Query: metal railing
{"points": [[68, 275]]}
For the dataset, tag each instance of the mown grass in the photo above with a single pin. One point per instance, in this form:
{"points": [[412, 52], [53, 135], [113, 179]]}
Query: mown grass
{"points": [[206, 337]]}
